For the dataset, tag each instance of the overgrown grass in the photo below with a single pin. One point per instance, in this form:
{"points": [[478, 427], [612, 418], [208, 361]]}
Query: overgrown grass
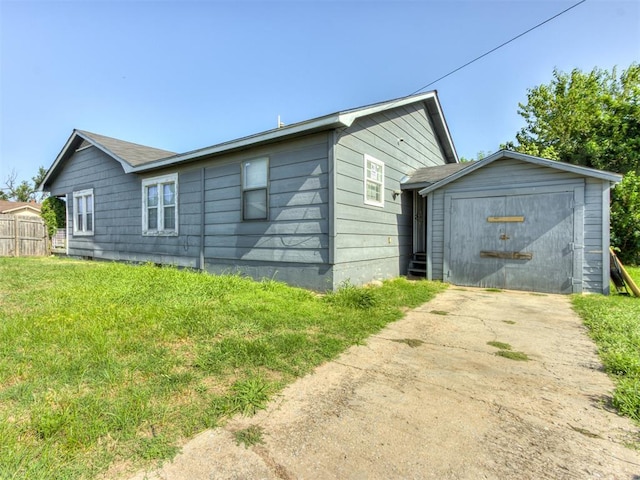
{"points": [[614, 324], [105, 363]]}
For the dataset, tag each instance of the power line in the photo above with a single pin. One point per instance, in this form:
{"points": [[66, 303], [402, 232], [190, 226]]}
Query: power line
{"points": [[498, 47]]}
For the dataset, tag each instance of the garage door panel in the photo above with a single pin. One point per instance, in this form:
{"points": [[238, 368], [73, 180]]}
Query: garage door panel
{"points": [[538, 227], [473, 234]]}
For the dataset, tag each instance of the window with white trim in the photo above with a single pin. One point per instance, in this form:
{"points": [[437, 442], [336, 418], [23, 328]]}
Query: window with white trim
{"points": [[255, 197], [83, 217], [160, 205], [373, 181]]}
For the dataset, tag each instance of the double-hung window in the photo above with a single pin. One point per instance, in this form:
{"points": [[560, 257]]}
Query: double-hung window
{"points": [[160, 205], [255, 198], [83, 218], [373, 181]]}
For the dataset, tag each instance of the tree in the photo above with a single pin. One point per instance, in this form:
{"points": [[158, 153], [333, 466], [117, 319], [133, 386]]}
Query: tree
{"points": [[23, 191], [590, 119], [625, 218]]}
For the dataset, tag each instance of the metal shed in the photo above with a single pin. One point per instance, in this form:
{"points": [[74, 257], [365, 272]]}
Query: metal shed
{"points": [[518, 222]]}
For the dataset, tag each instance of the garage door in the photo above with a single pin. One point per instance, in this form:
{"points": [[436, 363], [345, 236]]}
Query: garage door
{"points": [[520, 242]]}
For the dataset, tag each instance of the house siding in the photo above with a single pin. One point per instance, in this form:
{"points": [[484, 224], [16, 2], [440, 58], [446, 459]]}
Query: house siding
{"points": [[376, 242], [292, 244], [509, 176]]}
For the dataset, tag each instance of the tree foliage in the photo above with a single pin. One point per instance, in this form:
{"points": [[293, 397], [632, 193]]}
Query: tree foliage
{"points": [[590, 119], [625, 218], [23, 191], [54, 214]]}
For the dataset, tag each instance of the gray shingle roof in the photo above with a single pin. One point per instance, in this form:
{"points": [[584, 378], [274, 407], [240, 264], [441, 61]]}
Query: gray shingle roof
{"points": [[430, 175], [132, 153]]}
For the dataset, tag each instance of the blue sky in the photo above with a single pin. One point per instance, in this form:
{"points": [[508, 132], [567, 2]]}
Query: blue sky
{"points": [[181, 75]]}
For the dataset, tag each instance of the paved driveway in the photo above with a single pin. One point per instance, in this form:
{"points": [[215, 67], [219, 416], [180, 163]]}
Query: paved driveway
{"points": [[429, 398]]}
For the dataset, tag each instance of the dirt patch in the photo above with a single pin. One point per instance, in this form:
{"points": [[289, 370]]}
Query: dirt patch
{"points": [[427, 398]]}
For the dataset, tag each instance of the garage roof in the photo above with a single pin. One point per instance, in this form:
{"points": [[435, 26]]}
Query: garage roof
{"points": [[567, 167]]}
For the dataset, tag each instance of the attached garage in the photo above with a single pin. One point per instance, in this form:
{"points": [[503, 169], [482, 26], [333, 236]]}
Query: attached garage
{"points": [[520, 222]]}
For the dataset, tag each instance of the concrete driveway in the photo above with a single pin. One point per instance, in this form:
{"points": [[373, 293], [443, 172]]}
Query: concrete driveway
{"points": [[428, 398]]}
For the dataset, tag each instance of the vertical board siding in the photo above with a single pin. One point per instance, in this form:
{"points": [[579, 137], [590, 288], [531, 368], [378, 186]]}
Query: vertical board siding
{"points": [[509, 175], [22, 236], [376, 242]]}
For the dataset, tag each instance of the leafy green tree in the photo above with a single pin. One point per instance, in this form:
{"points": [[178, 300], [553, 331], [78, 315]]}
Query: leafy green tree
{"points": [[590, 119], [23, 191], [625, 218]]}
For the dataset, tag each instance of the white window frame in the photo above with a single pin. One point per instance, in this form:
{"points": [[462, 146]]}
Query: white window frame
{"points": [[368, 201], [257, 187], [158, 182], [80, 197]]}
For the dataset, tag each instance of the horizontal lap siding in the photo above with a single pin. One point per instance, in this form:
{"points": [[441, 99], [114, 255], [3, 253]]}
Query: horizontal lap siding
{"points": [[297, 229], [375, 242], [118, 212], [593, 247]]}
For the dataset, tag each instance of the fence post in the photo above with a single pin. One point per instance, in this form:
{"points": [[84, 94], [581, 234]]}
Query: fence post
{"points": [[17, 235]]}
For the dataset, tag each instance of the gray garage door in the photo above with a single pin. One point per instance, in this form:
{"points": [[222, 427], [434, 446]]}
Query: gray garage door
{"points": [[520, 242]]}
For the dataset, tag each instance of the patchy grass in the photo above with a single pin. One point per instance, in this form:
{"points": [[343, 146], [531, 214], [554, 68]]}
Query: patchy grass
{"points": [[506, 352], [106, 365], [249, 436], [512, 355], [412, 342], [439, 312], [614, 324], [509, 322], [495, 290]]}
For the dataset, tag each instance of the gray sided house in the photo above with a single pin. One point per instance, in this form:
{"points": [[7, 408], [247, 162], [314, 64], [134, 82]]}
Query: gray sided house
{"points": [[516, 221], [313, 204]]}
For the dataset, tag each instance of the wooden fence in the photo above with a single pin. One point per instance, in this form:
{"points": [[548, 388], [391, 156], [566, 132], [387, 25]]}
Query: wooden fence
{"points": [[22, 236]]}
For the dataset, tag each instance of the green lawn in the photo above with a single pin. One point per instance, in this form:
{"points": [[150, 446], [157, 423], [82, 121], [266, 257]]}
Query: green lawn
{"points": [[105, 364], [614, 324]]}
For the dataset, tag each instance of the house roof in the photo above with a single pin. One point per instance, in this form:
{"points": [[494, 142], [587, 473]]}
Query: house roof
{"points": [[131, 153], [567, 167], [7, 206], [139, 158], [423, 177]]}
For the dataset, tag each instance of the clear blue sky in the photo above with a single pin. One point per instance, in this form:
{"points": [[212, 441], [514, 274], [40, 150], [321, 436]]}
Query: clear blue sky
{"points": [[181, 75]]}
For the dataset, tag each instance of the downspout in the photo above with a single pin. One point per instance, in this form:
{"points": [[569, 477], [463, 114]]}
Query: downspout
{"points": [[201, 259]]}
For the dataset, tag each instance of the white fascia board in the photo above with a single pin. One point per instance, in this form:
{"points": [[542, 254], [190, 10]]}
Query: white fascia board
{"points": [[37, 210], [336, 120], [57, 161], [125, 165], [65, 151], [318, 124], [567, 167]]}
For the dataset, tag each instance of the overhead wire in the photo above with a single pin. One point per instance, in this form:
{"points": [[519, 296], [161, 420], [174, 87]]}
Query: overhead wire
{"points": [[499, 46]]}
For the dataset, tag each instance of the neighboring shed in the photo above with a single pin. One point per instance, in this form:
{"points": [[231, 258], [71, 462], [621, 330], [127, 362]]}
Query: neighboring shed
{"points": [[518, 222], [19, 208]]}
